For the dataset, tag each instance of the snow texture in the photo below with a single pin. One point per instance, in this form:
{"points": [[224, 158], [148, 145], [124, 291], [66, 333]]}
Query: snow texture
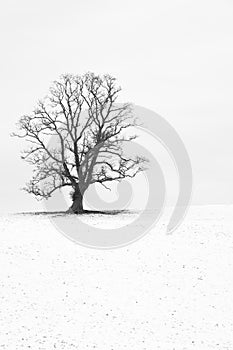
{"points": [[168, 292]]}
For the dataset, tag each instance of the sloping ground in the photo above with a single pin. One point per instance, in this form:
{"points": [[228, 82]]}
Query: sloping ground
{"points": [[162, 292]]}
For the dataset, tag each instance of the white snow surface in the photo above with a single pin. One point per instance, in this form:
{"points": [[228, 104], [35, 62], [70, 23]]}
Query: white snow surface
{"points": [[168, 292]]}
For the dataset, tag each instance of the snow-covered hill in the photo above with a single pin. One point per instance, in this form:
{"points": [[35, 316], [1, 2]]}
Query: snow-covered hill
{"points": [[162, 292]]}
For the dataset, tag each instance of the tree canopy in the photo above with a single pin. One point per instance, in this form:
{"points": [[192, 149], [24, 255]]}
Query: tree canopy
{"points": [[76, 136]]}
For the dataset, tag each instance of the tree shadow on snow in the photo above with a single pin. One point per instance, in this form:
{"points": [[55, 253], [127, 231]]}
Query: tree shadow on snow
{"points": [[85, 212]]}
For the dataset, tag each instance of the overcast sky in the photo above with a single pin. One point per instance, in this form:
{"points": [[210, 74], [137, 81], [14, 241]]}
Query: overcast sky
{"points": [[174, 57]]}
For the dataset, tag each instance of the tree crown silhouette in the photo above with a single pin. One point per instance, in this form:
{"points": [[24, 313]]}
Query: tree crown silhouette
{"points": [[87, 129]]}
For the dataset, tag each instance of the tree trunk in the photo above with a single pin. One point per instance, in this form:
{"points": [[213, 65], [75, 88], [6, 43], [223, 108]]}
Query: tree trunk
{"points": [[77, 205]]}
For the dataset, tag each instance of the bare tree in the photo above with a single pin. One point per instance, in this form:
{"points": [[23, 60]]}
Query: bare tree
{"points": [[90, 128]]}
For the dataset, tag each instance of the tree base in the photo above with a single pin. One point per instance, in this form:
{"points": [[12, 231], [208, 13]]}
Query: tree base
{"points": [[73, 211]]}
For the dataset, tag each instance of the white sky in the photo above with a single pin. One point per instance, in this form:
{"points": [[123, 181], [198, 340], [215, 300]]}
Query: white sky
{"points": [[174, 57]]}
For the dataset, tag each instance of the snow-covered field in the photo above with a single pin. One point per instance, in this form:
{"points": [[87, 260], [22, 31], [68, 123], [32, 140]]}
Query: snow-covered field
{"points": [[163, 292]]}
